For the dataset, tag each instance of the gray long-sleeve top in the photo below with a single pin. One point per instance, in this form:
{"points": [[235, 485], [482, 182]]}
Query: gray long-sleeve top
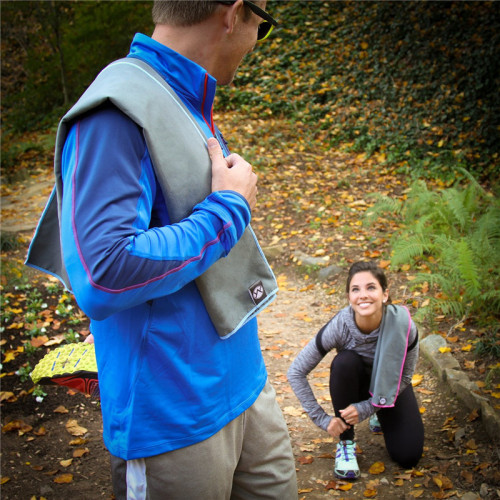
{"points": [[342, 333]]}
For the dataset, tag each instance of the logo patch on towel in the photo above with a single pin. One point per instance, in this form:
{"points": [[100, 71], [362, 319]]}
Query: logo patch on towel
{"points": [[257, 292]]}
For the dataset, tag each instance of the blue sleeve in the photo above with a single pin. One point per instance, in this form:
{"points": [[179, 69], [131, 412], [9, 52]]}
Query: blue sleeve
{"points": [[115, 256]]}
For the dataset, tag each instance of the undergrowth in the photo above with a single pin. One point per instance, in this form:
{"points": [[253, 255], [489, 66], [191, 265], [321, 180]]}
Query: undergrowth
{"points": [[452, 237]]}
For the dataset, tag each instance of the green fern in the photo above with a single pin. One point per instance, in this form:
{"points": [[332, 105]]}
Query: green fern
{"points": [[406, 249], [459, 228]]}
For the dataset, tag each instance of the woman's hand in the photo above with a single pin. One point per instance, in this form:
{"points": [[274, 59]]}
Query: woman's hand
{"points": [[350, 415], [336, 427]]}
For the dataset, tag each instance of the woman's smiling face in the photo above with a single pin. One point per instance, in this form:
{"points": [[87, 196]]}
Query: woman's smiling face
{"points": [[366, 295]]}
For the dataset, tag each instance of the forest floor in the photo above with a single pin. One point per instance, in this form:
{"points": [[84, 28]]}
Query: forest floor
{"points": [[53, 449]]}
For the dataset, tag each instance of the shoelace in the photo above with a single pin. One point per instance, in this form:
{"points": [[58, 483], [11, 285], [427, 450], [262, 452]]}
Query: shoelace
{"points": [[347, 450]]}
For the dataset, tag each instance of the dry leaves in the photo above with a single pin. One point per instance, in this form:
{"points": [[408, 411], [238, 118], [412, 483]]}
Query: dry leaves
{"points": [[74, 429]]}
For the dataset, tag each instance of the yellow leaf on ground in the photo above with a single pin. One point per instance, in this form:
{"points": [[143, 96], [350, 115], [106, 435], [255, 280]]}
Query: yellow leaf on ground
{"points": [[370, 493], [77, 442], [78, 453], [345, 486], [74, 429], [9, 356], [61, 409], [66, 463], [64, 479], [6, 396], [416, 379], [444, 349], [377, 468]]}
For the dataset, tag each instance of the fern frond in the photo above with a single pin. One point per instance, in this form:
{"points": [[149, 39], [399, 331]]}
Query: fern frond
{"points": [[407, 248], [452, 308], [458, 212], [384, 205], [489, 303], [462, 259]]}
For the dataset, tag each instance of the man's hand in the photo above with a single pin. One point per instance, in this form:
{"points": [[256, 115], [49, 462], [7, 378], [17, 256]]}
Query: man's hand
{"points": [[232, 173]]}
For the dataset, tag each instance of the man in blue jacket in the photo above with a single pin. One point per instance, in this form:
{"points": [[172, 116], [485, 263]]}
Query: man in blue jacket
{"points": [[187, 408]]}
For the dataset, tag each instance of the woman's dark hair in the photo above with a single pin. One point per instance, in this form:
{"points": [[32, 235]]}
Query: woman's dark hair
{"points": [[371, 267]]}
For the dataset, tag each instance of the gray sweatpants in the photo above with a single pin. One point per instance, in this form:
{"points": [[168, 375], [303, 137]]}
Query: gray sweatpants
{"points": [[250, 458]]}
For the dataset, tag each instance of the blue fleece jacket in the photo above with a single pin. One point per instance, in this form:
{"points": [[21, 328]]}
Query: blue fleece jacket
{"points": [[167, 380]]}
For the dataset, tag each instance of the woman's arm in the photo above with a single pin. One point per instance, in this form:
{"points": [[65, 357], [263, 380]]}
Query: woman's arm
{"points": [[303, 364]]}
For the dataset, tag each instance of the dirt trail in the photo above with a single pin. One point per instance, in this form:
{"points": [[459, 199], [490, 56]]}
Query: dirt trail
{"points": [[460, 461]]}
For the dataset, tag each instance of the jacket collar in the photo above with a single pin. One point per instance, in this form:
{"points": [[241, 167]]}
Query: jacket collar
{"points": [[186, 77]]}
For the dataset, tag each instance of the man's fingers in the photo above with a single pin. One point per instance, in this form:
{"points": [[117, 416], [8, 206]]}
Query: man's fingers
{"points": [[215, 152]]}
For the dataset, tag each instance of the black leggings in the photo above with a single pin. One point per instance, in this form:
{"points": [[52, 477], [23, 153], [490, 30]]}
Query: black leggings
{"points": [[402, 424]]}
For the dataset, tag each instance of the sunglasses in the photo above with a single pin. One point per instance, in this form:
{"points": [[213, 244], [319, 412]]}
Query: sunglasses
{"points": [[266, 26]]}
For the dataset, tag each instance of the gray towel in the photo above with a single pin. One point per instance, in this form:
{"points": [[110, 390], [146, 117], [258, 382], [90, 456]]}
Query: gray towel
{"points": [[235, 288]]}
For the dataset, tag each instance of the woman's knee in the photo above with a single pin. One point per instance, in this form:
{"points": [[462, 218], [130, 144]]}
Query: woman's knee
{"points": [[407, 459], [347, 360], [407, 456]]}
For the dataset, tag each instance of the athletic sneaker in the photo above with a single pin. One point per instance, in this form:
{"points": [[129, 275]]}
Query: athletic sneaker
{"points": [[71, 365], [375, 424], [346, 465]]}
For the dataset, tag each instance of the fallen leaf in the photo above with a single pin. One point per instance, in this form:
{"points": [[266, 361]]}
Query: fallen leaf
{"points": [[370, 493], [471, 444], [425, 391], [331, 485], [74, 429], [78, 453], [416, 379], [77, 442], [39, 341], [345, 486], [377, 468], [58, 339], [66, 463], [305, 460], [417, 493], [4, 479], [292, 411], [61, 409], [63, 478], [17, 425], [467, 476], [7, 396]]}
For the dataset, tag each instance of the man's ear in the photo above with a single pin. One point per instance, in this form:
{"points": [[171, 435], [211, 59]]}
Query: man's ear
{"points": [[231, 15]]}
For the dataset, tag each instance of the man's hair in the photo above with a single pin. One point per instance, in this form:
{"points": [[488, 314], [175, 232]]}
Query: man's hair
{"points": [[186, 12], [182, 12]]}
